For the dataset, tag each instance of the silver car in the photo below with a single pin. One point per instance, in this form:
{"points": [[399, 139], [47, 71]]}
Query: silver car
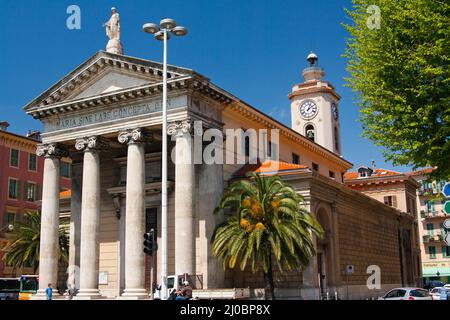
{"points": [[407, 294], [436, 293]]}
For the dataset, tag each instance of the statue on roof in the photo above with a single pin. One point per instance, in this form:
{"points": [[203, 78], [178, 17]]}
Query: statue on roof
{"points": [[113, 32]]}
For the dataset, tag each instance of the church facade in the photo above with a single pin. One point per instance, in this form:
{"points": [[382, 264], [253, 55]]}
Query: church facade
{"points": [[106, 116]]}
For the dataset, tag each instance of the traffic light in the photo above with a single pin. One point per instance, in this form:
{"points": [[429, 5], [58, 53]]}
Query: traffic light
{"points": [[148, 243]]}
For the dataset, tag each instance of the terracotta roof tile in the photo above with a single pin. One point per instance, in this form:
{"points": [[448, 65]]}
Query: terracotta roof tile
{"points": [[269, 167], [378, 173], [420, 172]]}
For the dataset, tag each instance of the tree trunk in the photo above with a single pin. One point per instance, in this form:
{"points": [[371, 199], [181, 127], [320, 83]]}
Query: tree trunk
{"points": [[269, 289]]}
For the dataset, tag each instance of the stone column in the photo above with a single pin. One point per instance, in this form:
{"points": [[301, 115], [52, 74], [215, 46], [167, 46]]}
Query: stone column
{"points": [[135, 214], [90, 216], [75, 226], [210, 189], [184, 198], [48, 253]]}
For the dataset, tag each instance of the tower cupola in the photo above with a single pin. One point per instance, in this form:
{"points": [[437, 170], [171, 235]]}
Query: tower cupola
{"points": [[313, 72]]}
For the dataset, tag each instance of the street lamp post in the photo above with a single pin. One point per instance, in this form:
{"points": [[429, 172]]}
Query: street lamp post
{"points": [[162, 33]]}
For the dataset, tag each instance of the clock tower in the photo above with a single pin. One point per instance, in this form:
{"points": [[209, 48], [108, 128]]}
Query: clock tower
{"points": [[315, 108]]}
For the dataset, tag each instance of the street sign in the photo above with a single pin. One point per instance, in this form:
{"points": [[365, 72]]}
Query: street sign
{"points": [[446, 190], [447, 238], [447, 224], [447, 207]]}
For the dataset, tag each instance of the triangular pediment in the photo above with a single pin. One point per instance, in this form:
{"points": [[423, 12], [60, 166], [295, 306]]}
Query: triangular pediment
{"points": [[110, 81], [104, 73]]}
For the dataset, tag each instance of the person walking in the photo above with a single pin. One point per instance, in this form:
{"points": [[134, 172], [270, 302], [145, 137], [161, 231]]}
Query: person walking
{"points": [[49, 292], [186, 291]]}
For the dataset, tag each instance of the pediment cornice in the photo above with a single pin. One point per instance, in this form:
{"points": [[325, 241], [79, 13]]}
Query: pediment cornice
{"points": [[129, 94], [64, 90]]}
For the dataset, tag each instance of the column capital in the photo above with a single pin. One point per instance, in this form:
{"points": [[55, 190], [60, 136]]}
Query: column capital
{"points": [[187, 126], [136, 135], [91, 143], [51, 150]]}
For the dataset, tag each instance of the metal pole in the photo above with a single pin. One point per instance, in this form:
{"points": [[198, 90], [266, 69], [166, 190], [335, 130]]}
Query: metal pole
{"points": [[164, 235], [152, 265], [347, 283]]}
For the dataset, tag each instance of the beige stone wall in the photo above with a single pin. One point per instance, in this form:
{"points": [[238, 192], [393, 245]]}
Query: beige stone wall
{"points": [[109, 228], [363, 232], [286, 147], [367, 236]]}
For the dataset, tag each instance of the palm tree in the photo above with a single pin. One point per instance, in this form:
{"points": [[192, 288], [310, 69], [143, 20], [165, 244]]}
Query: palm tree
{"points": [[23, 248], [269, 226]]}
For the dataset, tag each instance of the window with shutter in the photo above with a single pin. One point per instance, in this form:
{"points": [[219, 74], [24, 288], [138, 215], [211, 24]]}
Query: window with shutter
{"points": [[14, 158], [432, 252], [445, 252], [30, 191], [12, 189], [32, 162]]}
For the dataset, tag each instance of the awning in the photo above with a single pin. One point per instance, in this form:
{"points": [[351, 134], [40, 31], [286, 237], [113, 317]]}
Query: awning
{"points": [[432, 272]]}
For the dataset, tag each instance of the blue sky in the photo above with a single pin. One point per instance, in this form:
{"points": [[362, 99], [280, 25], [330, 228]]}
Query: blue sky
{"points": [[254, 49]]}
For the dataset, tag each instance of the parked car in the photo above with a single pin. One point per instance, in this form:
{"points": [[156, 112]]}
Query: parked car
{"points": [[407, 294], [433, 284], [436, 293]]}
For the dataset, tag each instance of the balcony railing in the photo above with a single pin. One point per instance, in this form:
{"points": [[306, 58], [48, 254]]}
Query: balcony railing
{"points": [[433, 214], [433, 238]]}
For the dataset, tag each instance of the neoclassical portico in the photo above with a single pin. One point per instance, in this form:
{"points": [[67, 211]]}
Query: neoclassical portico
{"points": [[95, 151], [114, 139]]}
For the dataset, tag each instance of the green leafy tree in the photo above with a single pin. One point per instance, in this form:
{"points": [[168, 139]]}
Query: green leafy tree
{"points": [[23, 248], [398, 57], [269, 225]]}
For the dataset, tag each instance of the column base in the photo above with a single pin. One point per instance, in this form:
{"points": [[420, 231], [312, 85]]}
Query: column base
{"points": [[134, 294], [88, 294], [41, 295]]}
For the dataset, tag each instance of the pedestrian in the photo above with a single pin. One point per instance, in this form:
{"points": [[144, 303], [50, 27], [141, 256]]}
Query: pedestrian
{"points": [[180, 296], [49, 292], [172, 295], [71, 292], [187, 290]]}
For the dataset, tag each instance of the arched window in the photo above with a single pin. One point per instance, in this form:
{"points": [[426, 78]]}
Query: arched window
{"points": [[310, 133]]}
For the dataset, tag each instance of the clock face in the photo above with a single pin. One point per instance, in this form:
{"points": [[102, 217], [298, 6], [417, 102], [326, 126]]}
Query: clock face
{"points": [[334, 110], [308, 109]]}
